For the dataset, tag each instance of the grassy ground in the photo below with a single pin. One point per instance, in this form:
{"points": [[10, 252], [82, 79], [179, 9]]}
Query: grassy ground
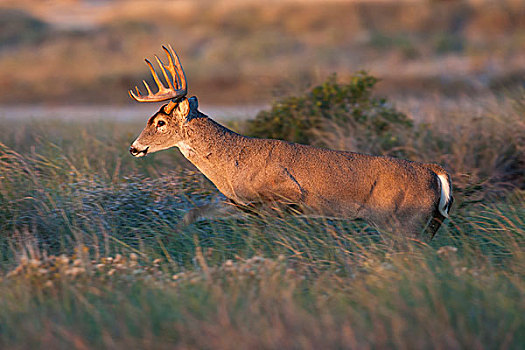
{"points": [[92, 254]]}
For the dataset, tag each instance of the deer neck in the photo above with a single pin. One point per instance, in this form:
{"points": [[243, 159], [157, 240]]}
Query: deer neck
{"points": [[212, 148]]}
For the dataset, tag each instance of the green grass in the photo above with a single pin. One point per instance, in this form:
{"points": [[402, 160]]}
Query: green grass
{"points": [[92, 256]]}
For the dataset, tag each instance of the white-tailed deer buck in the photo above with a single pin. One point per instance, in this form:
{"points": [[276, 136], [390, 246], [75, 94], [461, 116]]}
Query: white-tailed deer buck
{"points": [[392, 194]]}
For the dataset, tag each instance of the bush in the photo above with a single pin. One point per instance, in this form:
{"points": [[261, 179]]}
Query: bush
{"points": [[311, 117], [18, 27]]}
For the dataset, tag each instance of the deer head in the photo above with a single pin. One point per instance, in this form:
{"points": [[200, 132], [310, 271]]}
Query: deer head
{"points": [[164, 128]]}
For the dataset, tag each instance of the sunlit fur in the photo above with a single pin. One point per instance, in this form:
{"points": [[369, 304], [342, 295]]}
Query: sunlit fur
{"points": [[393, 194]]}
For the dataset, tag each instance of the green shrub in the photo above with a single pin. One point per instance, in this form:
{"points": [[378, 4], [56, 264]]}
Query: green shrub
{"points": [[348, 106]]}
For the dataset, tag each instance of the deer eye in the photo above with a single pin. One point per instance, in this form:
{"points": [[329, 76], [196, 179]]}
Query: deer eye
{"points": [[161, 123]]}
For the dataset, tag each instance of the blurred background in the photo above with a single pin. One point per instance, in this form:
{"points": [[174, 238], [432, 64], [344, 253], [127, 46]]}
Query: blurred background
{"points": [[248, 52]]}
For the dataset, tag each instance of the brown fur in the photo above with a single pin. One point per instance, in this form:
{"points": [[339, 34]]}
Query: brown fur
{"points": [[393, 194]]}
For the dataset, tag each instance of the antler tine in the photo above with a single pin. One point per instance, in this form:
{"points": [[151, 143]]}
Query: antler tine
{"points": [[177, 87], [176, 68], [162, 67], [171, 68], [159, 83], [132, 94], [147, 87]]}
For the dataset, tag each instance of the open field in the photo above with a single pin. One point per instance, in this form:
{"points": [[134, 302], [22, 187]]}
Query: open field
{"points": [[92, 254], [92, 251]]}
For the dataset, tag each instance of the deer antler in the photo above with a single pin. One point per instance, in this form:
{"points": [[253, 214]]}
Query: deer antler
{"points": [[177, 86]]}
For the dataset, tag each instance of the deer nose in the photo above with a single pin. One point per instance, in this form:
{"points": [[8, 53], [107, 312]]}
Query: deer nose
{"points": [[135, 152]]}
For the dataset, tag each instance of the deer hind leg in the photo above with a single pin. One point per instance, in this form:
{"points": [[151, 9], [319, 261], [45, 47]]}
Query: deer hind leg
{"points": [[434, 224], [219, 209], [408, 225]]}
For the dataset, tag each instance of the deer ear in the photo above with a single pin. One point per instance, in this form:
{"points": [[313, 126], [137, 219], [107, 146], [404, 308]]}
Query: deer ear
{"points": [[183, 108], [187, 108], [194, 103]]}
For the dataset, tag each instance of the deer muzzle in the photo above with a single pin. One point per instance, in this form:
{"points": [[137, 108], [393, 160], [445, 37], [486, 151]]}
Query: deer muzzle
{"points": [[138, 153]]}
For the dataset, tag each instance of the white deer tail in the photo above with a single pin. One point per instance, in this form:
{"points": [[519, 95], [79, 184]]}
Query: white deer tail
{"points": [[445, 202]]}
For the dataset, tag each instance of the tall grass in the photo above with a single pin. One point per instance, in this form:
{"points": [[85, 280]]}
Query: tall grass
{"points": [[93, 256], [317, 286]]}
